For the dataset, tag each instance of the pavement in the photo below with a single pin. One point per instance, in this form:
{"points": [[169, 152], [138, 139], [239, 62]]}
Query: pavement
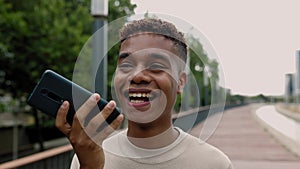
{"points": [[247, 143]]}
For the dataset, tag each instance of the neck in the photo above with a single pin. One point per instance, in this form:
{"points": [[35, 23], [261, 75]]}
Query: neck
{"points": [[151, 136]]}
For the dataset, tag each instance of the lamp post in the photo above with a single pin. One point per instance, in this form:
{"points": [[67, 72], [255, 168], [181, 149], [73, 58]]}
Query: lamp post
{"points": [[99, 10], [199, 69], [186, 89], [297, 78], [205, 85]]}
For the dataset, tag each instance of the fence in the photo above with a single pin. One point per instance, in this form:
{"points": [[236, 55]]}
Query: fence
{"points": [[56, 158]]}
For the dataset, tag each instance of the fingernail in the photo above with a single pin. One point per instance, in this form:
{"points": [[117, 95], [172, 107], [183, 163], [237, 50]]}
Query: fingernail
{"points": [[120, 117], [64, 104], [111, 105], [96, 97]]}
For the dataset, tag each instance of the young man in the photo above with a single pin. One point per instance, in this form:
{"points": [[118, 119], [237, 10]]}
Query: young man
{"points": [[149, 75]]}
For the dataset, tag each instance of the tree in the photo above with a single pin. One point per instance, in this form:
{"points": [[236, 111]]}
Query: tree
{"points": [[40, 35], [45, 35], [200, 65]]}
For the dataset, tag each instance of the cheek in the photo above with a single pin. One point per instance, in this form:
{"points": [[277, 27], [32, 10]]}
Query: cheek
{"points": [[118, 82], [168, 85], [119, 85], [119, 77]]}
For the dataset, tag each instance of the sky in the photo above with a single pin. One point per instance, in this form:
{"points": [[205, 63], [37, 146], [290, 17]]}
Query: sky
{"points": [[255, 40]]}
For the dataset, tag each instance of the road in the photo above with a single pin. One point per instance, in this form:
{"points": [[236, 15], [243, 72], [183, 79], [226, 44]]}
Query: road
{"points": [[247, 143]]}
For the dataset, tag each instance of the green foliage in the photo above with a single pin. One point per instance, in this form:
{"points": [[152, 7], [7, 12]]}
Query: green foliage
{"points": [[37, 36], [40, 35], [200, 66], [120, 8]]}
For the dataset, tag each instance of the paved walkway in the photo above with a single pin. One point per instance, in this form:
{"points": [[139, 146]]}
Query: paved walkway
{"points": [[247, 143]]}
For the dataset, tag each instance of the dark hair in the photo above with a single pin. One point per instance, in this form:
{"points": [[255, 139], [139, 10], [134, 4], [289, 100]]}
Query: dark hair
{"points": [[156, 26]]}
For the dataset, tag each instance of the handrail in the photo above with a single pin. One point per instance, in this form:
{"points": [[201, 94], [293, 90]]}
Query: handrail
{"points": [[191, 111], [36, 157]]}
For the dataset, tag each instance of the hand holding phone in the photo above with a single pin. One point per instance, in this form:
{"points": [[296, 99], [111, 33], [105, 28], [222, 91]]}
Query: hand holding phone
{"points": [[53, 89], [87, 142]]}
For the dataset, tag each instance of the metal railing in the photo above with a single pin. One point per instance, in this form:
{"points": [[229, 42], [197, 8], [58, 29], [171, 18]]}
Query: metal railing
{"points": [[56, 158]]}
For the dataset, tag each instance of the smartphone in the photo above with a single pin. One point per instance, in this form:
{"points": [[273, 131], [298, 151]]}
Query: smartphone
{"points": [[52, 89]]}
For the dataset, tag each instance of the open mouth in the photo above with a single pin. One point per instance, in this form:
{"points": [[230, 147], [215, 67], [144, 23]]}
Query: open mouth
{"points": [[139, 97]]}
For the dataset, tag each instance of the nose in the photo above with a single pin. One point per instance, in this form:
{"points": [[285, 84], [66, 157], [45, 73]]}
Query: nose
{"points": [[140, 76]]}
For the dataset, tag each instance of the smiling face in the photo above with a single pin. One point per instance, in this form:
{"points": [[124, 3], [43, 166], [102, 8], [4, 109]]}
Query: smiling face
{"points": [[148, 78]]}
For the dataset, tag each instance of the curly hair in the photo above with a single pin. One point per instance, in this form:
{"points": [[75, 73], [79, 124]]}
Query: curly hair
{"points": [[156, 26]]}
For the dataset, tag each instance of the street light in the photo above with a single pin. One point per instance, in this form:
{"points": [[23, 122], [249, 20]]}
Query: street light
{"points": [[199, 69], [99, 10], [297, 78]]}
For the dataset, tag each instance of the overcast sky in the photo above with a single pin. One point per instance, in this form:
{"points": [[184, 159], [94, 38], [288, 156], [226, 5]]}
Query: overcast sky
{"points": [[256, 40]]}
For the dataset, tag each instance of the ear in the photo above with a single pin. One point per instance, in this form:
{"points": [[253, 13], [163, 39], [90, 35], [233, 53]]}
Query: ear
{"points": [[181, 82]]}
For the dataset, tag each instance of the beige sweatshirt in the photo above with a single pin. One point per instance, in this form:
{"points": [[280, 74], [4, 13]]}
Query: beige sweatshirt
{"points": [[186, 152]]}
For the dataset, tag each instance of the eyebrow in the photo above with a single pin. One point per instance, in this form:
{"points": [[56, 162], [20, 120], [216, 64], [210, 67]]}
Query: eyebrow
{"points": [[153, 55], [159, 56]]}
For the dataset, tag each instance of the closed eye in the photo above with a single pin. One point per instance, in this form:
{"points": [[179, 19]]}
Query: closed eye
{"points": [[125, 66], [157, 67]]}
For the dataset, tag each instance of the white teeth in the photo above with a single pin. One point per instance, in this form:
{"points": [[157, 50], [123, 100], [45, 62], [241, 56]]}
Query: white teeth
{"points": [[136, 101], [139, 95]]}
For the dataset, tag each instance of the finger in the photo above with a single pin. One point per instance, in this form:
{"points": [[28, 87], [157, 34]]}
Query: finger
{"points": [[93, 126], [108, 109], [117, 122], [109, 130], [108, 114], [61, 118], [86, 108]]}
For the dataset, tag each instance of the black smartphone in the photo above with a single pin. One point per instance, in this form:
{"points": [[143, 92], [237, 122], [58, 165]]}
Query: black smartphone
{"points": [[52, 89]]}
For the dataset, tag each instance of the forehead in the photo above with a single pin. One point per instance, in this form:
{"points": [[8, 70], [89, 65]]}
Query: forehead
{"points": [[147, 41]]}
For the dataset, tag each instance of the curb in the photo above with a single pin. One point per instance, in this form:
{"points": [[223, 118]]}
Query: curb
{"points": [[291, 145], [279, 108]]}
